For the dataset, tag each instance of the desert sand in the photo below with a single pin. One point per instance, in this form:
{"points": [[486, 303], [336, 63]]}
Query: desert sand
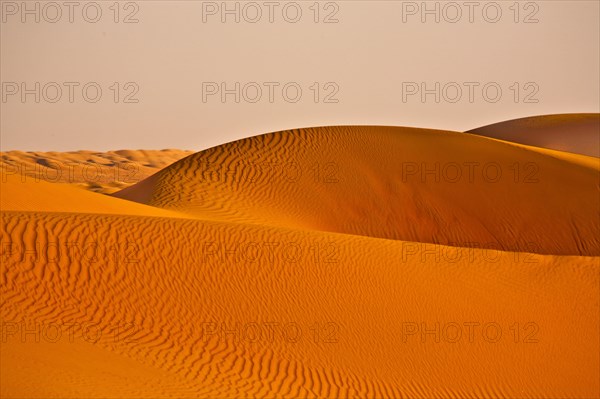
{"points": [[103, 172], [339, 270], [395, 183], [576, 133]]}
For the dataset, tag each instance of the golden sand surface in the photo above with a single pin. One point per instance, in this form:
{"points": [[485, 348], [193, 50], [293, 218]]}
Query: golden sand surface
{"points": [[328, 262]]}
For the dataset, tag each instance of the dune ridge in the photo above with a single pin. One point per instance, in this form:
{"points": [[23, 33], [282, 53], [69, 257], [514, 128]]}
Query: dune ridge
{"points": [[574, 133], [395, 183]]}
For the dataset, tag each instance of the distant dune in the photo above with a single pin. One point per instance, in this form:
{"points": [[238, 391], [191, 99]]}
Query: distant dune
{"points": [[103, 172], [576, 133], [395, 183], [303, 264]]}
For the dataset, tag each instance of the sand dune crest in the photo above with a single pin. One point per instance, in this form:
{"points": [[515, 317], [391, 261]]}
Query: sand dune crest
{"points": [[395, 183]]}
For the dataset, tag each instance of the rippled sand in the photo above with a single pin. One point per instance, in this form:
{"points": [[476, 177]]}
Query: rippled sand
{"points": [[311, 263]]}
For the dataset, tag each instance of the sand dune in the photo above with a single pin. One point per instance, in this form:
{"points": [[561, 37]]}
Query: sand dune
{"points": [[28, 194], [576, 133], [395, 183], [182, 284], [104, 172], [301, 265]]}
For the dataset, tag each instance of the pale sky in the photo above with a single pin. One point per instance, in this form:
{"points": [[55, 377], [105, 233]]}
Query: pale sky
{"points": [[370, 68]]}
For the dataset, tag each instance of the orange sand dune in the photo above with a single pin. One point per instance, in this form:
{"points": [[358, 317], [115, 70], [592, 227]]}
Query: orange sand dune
{"points": [[25, 193], [576, 133], [166, 307], [104, 172], [264, 268], [395, 183]]}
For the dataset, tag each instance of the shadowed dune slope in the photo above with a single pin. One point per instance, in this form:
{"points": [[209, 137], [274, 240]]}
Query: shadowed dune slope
{"points": [[395, 183], [208, 309], [576, 133]]}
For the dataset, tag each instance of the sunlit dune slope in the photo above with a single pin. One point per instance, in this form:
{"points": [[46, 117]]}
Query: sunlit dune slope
{"points": [[25, 193], [104, 172], [396, 183], [577, 133], [192, 309], [577, 159]]}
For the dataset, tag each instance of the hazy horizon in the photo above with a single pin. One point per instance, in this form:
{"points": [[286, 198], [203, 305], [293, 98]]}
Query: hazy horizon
{"points": [[366, 58]]}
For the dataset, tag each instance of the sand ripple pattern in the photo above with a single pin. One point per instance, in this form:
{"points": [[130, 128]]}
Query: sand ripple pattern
{"points": [[394, 183], [168, 277]]}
